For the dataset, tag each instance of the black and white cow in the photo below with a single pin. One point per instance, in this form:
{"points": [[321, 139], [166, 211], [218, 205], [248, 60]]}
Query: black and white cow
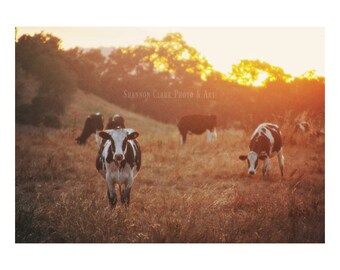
{"points": [[93, 124], [265, 143], [115, 122], [197, 124], [119, 162]]}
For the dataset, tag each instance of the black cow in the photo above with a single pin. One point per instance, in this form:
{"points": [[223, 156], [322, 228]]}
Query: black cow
{"points": [[265, 143], [93, 124], [197, 124], [115, 122]]}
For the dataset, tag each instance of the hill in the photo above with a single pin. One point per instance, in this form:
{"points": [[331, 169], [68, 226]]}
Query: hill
{"points": [[87, 103], [194, 193]]}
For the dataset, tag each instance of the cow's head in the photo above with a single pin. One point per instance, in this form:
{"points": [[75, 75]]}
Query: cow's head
{"points": [[252, 159], [118, 139]]}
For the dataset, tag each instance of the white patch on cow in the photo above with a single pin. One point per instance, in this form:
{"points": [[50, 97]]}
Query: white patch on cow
{"points": [[215, 134], [266, 166], [252, 157], [118, 136], [210, 136], [97, 138], [181, 139], [133, 147], [257, 131], [262, 127], [269, 135]]}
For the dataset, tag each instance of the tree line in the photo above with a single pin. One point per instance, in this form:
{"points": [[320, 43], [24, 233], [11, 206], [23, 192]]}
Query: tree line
{"points": [[161, 78]]}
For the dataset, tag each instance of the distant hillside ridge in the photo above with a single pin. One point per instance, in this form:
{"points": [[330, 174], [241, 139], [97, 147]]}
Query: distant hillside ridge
{"points": [[84, 104]]}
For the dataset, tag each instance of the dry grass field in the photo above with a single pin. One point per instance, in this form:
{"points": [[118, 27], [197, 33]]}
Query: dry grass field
{"points": [[196, 193]]}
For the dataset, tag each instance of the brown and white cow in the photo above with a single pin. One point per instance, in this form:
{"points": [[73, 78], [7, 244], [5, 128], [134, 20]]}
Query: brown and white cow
{"points": [[197, 124], [265, 143], [93, 124]]}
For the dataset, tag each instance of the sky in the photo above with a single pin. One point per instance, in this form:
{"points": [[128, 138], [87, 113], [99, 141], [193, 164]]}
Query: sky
{"points": [[295, 49]]}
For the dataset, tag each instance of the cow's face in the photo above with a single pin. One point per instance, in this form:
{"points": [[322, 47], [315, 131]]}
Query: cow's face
{"points": [[118, 138], [252, 159]]}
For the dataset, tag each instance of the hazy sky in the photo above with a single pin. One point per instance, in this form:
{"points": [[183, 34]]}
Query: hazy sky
{"points": [[296, 49]]}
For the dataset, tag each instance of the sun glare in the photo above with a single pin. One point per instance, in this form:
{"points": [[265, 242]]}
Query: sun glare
{"points": [[185, 55], [261, 79]]}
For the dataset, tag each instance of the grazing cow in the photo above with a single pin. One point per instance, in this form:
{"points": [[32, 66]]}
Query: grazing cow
{"points": [[115, 122], [119, 162], [265, 143], [197, 124], [93, 124]]}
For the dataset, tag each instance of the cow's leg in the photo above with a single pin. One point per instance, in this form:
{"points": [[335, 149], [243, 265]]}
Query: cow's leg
{"points": [[97, 138], [122, 194], [266, 167], [111, 193], [281, 160], [183, 137], [214, 134], [127, 192], [127, 196], [209, 135]]}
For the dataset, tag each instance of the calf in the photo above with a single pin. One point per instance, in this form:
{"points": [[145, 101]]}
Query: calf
{"points": [[93, 124], [115, 122], [119, 162], [197, 124], [265, 143]]}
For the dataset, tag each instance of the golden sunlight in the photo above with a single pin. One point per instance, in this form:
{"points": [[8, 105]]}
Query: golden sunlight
{"points": [[184, 56], [261, 79]]}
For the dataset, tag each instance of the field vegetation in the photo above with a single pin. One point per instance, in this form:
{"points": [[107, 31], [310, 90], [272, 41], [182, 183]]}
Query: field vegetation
{"points": [[194, 193]]}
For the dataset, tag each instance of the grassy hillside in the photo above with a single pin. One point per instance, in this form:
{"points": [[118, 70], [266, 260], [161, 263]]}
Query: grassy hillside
{"points": [[196, 193]]}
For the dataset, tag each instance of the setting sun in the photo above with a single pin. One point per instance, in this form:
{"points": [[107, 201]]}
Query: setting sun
{"points": [[261, 78]]}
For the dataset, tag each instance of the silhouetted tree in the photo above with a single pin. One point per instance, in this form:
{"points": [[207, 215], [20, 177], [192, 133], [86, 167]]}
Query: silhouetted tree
{"points": [[41, 57]]}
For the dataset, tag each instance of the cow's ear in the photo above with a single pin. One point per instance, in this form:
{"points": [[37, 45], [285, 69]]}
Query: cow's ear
{"points": [[242, 157], [104, 135], [262, 157], [133, 135]]}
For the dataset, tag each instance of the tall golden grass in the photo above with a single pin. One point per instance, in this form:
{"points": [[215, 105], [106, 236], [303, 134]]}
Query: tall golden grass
{"points": [[194, 193]]}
